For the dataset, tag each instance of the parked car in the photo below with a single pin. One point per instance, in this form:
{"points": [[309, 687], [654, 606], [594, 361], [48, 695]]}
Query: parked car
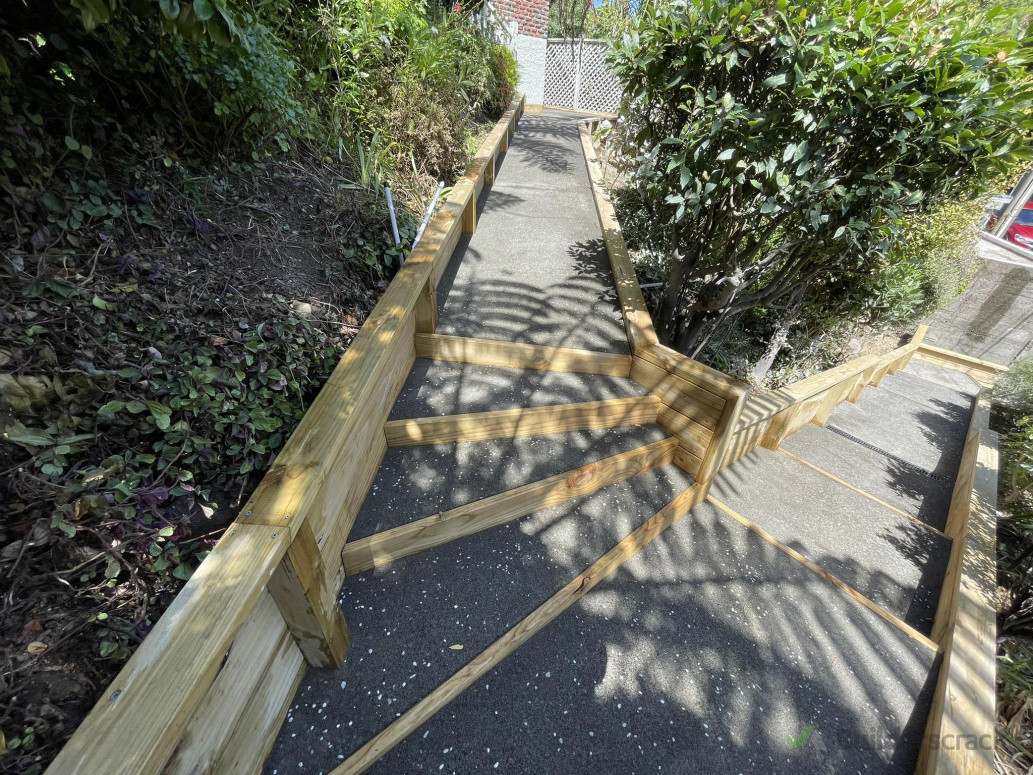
{"points": [[1021, 231]]}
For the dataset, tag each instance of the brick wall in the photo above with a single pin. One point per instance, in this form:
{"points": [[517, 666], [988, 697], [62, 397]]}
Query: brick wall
{"points": [[531, 16]]}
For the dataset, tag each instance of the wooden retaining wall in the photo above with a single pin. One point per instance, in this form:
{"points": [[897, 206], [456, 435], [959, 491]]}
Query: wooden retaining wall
{"points": [[208, 689]]}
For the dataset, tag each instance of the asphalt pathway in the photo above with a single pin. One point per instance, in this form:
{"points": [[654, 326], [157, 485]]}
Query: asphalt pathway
{"points": [[711, 651]]}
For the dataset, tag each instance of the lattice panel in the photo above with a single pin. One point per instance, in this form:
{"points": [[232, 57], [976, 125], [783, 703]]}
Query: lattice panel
{"points": [[600, 90], [576, 76], [561, 66]]}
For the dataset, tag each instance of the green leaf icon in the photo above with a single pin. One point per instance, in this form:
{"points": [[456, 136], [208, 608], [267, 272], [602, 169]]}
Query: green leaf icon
{"points": [[799, 742]]}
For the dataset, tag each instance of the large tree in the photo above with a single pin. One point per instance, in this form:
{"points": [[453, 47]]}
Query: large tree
{"points": [[779, 143]]}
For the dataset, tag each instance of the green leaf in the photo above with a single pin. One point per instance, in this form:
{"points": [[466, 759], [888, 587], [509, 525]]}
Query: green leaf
{"points": [[111, 407], [203, 10], [112, 569], [72, 143], [136, 407], [183, 572], [170, 8], [99, 303], [726, 154]]}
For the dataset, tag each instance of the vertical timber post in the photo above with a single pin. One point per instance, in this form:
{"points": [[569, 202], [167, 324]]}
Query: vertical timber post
{"points": [[297, 586]]}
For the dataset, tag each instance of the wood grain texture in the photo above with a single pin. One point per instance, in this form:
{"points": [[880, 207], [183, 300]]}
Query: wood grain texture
{"points": [[491, 352], [637, 322], [723, 436], [250, 658], [682, 396], [690, 434], [381, 548], [297, 587], [513, 423], [255, 732], [959, 734], [710, 380], [153, 697], [533, 623]]}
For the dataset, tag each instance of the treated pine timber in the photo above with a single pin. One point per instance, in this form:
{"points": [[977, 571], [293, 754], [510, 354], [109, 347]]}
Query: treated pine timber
{"points": [[677, 393], [723, 435], [533, 623], [491, 352], [833, 580], [691, 435], [249, 661], [711, 380], [255, 732], [297, 586], [135, 726], [381, 548], [986, 373], [637, 321], [512, 423], [959, 734]]}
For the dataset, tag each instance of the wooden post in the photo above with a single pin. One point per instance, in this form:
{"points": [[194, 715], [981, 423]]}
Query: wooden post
{"points": [[426, 310], [470, 214], [297, 587], [489, 171]]}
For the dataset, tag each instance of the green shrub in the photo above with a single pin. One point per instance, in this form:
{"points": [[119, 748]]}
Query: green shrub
{"points": [[228, 94], [785, 142], [1014, 390]]}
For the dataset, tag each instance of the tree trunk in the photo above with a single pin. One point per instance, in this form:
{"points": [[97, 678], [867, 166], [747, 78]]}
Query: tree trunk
{"points": [[669, 313], [779, 338]]}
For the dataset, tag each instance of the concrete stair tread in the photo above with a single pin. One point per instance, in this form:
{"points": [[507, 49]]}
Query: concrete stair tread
{"points": [[405, 616], [926, 433], [701, 654], [441, 388], [416, 482], [890, 559], [923, 497]]}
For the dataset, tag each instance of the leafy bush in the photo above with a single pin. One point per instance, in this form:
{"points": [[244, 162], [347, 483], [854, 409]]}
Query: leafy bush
{"points": [[1014, 389], [784, 142]]}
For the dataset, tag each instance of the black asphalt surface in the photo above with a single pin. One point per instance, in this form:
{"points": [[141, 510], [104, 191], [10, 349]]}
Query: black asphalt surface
{"points": [[536, 269], [709, 652]]}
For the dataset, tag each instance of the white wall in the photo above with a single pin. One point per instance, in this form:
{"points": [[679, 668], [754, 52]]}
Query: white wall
{"points": [[530, 55]]}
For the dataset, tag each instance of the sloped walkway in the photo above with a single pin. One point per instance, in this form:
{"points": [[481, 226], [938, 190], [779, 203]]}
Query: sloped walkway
{"points": [[799, 595], [993, 319]]}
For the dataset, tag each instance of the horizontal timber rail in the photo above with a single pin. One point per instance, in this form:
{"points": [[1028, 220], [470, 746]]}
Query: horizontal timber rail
{"points": [[491, 352], [530, 421], [208, 689]]}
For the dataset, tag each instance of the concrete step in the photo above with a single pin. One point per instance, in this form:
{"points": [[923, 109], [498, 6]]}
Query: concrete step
{"points": [[915, 420], [700, 655], [892, 560], [416, 482], [924, 497], [439, 388], [405, 617]]}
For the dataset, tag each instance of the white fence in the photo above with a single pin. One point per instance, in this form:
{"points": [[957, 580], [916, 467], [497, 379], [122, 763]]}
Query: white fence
{"points": [[576, 76]]}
